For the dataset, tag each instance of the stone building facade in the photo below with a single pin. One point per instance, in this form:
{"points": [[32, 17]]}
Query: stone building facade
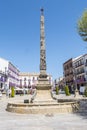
{"points": [[68, 73], [75, 72]]}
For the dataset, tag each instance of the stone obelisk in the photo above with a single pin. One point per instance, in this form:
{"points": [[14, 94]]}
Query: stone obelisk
{"points": [[43, 83]]}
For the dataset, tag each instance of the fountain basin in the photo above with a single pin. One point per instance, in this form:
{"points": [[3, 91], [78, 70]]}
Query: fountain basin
{"points": [[44, 107]]}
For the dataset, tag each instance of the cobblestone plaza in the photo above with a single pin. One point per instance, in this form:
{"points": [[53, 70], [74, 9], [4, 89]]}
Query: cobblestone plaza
{"points": [[60, 121]]}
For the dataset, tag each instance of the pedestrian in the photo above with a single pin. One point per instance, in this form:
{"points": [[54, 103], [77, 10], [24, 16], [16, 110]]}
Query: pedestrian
{"points": [[9, 92], [0, 94]]}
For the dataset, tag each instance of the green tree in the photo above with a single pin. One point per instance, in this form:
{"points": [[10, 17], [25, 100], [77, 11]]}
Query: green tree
{"points": [[57, 90], [67, 91], [85, 92], [82, 26], [12, 92]]}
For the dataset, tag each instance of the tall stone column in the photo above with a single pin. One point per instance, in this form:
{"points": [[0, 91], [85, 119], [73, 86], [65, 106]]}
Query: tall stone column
{"points": [[42, 47], [43, 82]]}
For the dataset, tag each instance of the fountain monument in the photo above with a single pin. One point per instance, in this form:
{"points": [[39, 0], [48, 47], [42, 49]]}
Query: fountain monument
{"points": [[43, 103]]}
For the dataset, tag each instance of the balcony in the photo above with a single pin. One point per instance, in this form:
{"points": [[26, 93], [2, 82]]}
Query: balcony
{"points": [[81, 80], [78, 65], [80, 72]]}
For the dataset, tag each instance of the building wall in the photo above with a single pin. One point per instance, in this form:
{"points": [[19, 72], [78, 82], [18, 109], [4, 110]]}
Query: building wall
{"points": [[30, 79], [2, 80], [27, 79], [80, 65], [13, 77], [68, 72], [11, 73], [76, 74]]}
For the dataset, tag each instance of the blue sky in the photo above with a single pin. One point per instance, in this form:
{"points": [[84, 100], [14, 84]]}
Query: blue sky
{"points": [[20, 33]]}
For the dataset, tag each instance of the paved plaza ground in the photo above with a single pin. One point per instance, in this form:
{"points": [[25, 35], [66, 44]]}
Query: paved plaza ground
{"points": [[14, 121]]}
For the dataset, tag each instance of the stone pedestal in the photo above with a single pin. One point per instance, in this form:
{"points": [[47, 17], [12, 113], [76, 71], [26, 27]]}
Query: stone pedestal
{"points": [[76, 94], [43, 84]]}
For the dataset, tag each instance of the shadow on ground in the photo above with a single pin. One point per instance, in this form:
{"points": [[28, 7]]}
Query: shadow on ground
{"points": [[82, 109]]}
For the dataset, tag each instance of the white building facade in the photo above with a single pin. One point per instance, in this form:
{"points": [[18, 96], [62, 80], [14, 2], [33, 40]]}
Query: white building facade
{"points": [[10, 74], [28, 80], [2, 80], [80, 70]]}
